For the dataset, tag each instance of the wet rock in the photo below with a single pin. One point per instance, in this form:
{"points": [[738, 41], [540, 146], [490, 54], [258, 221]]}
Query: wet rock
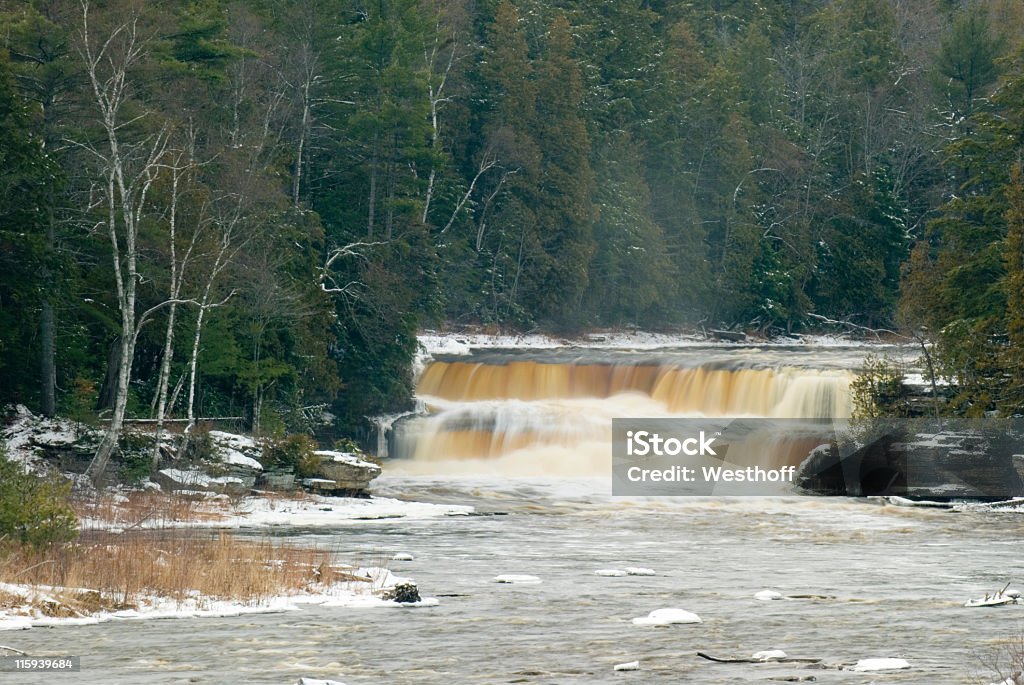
{"points": [[403, 593]]}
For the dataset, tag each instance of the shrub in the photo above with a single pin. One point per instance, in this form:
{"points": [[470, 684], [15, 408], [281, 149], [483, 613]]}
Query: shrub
{"points": [[136, 457], [197, 447], [879, 390], [34, 511], [291, 452]]}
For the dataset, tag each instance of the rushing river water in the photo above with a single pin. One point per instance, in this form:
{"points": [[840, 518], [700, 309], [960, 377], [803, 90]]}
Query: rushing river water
{"points": [[885, 581]]}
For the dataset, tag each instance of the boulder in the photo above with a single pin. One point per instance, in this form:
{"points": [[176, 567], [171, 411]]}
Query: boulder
{"points": [[350, 473]]}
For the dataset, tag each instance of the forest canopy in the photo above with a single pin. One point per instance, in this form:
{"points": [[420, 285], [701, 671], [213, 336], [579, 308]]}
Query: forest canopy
{"points": [[214, 208]]}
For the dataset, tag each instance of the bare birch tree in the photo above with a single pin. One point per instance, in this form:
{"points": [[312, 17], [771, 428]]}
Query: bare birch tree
{"points": [[128, 170]]}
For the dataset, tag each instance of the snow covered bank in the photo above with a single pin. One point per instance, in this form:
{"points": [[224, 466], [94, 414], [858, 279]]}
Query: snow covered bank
{"points": [[222, 512], [26, 436], [30, 612], [434, 343]]}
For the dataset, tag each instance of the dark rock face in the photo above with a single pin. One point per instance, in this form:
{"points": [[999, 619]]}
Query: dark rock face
{"points": [[959, 459], [403, 593]]}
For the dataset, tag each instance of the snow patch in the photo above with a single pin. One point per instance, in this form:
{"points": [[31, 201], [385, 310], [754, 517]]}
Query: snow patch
{"points": [[362, 593], [346, 458], [664, 617], [309, 512], [231, 456], [517, 579], [24, 435], [884, 664]]}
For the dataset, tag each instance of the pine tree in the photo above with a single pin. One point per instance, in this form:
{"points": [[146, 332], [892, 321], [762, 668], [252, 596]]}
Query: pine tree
{"points": [[1012, 402], [27, 178], [554, 287]]}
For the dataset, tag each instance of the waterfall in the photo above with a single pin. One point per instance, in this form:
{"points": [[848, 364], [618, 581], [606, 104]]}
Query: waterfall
{"points": [[538, 413]]}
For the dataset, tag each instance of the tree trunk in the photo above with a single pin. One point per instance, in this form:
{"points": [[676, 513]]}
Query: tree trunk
{"points": [[371, 215], [47, 362], [193, 367], [47, 328], [109, 443], [163, 382]]}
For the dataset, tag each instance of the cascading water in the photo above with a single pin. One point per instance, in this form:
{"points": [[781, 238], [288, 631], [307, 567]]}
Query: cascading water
{"points": [[533, 417]]}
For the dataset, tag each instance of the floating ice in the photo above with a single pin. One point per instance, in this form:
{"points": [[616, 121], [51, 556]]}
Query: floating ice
{"points": [[769, 655], [402, 556], [628, 666], [518, 579], [880, 665], [640, 571], [1004, 596], [768, 595], [611, 572], [664, 617]]}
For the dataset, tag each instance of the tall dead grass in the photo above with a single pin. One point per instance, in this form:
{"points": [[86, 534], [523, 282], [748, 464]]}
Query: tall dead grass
{"points": [[109, 571], [157, 509]]}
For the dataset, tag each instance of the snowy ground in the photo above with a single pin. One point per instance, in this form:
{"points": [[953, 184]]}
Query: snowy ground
{"points": [[219, 511], [433, 343], [26, 432], [354, 594]]}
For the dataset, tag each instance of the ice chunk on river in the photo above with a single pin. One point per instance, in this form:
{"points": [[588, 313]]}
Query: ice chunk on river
{"points": [[664, 617], [880, 665], [519, 579]]}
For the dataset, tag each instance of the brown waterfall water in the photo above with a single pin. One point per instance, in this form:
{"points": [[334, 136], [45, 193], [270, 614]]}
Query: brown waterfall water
{"points": [[553, 416]]}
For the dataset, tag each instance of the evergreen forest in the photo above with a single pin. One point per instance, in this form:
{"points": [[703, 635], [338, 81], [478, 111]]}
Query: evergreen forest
{"points": [[250, 207]]}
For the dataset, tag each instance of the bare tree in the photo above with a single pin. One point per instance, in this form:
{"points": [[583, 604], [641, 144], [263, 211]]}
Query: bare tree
{"points": [[228, 244], [128, 170], [180, 169]]}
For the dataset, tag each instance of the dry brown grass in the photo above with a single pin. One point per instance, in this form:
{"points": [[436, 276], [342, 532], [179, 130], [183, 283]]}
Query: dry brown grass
{"points": [[120, 570], [150, 509], [156, 509]]}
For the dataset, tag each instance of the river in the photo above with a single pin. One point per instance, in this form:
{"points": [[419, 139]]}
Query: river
{"points": [[881, 581]]}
